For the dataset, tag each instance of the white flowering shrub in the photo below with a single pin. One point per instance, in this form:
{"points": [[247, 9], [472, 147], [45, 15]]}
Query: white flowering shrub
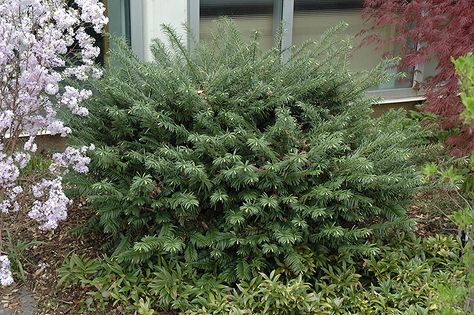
{"points": [[43, 45]]}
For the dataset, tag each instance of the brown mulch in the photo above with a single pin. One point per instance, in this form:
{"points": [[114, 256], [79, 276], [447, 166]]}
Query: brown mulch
{"points": [[49, 248], [432, 210]]}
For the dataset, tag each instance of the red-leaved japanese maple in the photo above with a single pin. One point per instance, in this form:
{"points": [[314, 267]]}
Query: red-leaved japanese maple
{"points": [[427, 29]]}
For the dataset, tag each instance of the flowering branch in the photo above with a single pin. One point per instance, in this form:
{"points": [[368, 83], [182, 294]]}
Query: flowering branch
{"points": [[43, 43]]}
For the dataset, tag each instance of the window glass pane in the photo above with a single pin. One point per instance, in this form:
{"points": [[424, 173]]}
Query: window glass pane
{"points": [[119, 18], [430, 68], [313, 17], [250, 16]]}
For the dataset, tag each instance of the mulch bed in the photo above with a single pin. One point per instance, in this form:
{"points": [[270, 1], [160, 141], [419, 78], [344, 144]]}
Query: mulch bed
{"points": [[50, 248], [430, 210]]}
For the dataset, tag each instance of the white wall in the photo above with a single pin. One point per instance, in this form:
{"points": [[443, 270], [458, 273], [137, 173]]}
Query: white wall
{"points": [[146, 18]]}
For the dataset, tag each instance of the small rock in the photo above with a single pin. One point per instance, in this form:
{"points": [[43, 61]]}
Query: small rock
{"points": [[26, 305]]}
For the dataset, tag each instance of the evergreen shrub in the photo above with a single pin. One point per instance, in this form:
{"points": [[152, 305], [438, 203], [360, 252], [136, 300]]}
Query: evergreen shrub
{"points": [[238, 160]]}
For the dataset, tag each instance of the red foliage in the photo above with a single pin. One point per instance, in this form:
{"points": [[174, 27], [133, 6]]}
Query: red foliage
{"points": [[440, 29]]}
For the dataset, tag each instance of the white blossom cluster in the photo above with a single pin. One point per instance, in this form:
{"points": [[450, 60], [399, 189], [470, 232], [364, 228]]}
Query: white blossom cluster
{"points": [[6, 277], [42, 43]]}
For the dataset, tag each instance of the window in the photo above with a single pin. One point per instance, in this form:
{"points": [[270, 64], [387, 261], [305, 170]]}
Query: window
{"points": [[309, 19], [250, 16], [302, 19], [313, 17]]}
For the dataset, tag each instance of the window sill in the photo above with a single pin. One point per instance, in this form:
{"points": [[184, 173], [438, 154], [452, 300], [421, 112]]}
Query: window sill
{"points": [[26, 135], [393, 96]]}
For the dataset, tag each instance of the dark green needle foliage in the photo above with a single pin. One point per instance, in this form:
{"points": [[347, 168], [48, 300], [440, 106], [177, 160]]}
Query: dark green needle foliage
{"points": [[237, 160]]}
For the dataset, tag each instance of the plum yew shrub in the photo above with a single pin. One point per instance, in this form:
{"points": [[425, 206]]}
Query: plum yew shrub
{"points": [[233, 159]]}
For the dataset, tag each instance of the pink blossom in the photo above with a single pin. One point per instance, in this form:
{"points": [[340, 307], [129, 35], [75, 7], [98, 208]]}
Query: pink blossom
{"points": [[51, 205], [93, 12], [30, 145], [6, 119], [73, 97], [6, 277], [71, 158]]}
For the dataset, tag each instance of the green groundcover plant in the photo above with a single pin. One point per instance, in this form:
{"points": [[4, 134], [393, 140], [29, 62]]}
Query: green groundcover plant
{"points": [[240, 161], [408, 276]]}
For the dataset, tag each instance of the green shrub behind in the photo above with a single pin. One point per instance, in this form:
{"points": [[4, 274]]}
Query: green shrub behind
{"points": [[232, 157]]}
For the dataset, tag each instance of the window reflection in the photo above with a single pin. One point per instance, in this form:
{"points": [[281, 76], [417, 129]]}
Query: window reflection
{"points": [[313, 17], [250, 16]]}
